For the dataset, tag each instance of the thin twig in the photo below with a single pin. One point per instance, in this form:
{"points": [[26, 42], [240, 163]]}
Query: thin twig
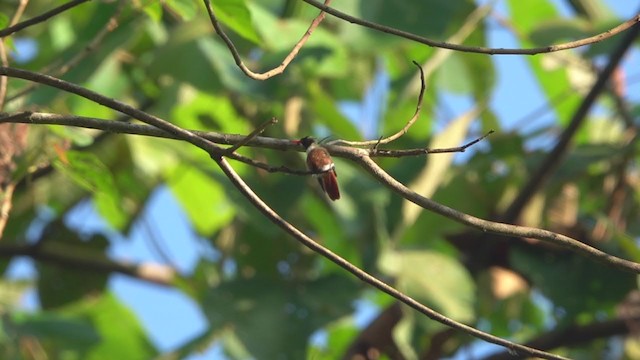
{"points": [[257, 131], [476, 49], [274, 217], [425, 151], [40, 18], [275, 71], [402, 131]]}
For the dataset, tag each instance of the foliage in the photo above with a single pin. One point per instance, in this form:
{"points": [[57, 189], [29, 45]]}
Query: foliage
{"points": [[263, 295]]}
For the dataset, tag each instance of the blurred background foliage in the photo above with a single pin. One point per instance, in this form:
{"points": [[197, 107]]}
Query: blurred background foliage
{"points": [[262, 294]]}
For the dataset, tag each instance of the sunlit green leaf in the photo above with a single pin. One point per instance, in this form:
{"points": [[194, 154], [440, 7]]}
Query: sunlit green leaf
{"points": [[86, 170], [236, 15], [202, 198], [433, 279]]}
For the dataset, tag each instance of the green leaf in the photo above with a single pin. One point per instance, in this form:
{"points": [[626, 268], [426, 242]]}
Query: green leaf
{"points": [[63, 332], [153, 9], [236, 15], [251, 307], [433, 279], [585, 287], [58, 286], [202, 198], [558, 30], [202, 111], [454, 76], [187, 9], [329, 115], [94, 329], [86, 170], [121, 335], [432, 175], [4, 20]]}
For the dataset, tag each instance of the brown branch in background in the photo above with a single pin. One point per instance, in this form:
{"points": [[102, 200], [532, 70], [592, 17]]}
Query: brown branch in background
{"points": [[153, 273], [110, 25], [236, 56], [40, 18], [377, 337], [555, 157], [274, 217], [257, 131], [475, 49]]}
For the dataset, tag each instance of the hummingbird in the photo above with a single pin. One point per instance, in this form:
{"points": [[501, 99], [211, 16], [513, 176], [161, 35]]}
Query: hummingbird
{"points": [[320, 163]]}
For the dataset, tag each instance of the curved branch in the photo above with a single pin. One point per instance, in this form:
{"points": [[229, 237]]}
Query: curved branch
{"points": [[274, 217], [40, 18], [474, 49], [277, 70]]}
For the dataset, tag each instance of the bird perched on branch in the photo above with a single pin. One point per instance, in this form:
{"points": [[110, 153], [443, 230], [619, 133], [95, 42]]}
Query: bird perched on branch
{"points": [[320, 163]]}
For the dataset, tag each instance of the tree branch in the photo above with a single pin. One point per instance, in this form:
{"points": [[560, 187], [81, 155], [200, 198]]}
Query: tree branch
{"points": [[474, 49]]}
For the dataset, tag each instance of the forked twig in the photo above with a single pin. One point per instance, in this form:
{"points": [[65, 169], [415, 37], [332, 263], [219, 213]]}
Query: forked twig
{"points": [[280, 68]]}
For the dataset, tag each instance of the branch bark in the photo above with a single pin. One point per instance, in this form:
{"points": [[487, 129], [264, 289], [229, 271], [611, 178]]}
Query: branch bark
{"points": [[473, 49]]}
